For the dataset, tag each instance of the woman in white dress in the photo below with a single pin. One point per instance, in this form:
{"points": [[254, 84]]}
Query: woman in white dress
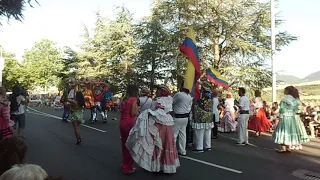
{"points": [[151, 141]]}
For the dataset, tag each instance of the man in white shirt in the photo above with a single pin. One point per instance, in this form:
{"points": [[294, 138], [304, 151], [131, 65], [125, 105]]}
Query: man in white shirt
{"points": [[17, 109], [182, 102], [244, 105], [215, 111]]}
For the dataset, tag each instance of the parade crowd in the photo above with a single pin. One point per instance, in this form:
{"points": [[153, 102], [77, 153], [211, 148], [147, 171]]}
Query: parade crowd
{"points": [[155, 131]]}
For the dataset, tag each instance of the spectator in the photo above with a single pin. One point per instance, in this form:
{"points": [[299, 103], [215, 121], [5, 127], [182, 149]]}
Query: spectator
{"points": [[12, 151], [6, 123], [17, 108], [24, 172]]}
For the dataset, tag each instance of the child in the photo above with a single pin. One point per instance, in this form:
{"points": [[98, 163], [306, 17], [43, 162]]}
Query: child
{"points": [[77, 115]]}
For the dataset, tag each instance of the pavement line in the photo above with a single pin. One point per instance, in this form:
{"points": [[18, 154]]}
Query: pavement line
{"points": [[56, 117], [213, 165]]}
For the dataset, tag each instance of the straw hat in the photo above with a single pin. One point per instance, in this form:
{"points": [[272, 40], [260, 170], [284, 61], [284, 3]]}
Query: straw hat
{"points": [[145, 92], [163, 87]]}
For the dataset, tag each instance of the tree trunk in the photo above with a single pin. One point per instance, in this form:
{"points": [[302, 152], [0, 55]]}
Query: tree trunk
{"points": [[152, 78]]}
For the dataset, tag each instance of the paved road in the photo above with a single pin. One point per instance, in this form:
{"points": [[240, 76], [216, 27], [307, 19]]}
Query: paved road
{"points": [[52, 146]]}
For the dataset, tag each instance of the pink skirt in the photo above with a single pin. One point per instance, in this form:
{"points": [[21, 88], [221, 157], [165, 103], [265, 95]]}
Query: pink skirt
{"points": [[167, 158]]}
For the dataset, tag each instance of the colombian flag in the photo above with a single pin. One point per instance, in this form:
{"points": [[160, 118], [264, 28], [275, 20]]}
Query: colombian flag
{"points": [[193, 71], [216, 78]]}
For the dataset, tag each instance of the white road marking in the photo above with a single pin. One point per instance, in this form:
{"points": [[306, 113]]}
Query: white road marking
{"points": [[213, 165], [56, 117]]}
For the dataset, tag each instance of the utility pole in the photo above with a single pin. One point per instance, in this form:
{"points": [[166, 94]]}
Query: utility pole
{"points": [[273, 51]]}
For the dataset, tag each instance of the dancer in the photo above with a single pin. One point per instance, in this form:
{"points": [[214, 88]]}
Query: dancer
{"points": [[259, 122], [202, 122], [145, 100], [129, 109], [244, 105], [151, 140], [76, 114], [303, 133], [6, 123], [287, 132], [89, 99], [99, 89], [182, 102], [229, 105]]}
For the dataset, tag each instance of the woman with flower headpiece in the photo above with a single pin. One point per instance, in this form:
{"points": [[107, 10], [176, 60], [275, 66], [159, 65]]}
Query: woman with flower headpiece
{"points": [[151, 140], [202, 122]]}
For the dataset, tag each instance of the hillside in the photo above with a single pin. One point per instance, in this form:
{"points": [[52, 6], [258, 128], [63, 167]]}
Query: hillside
{"points": [[290, 79]]}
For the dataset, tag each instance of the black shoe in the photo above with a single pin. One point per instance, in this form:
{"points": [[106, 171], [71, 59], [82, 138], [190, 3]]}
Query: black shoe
{"points": [[79, 141], [197, 151], [242, 144], [207, 149], [182, 154], [214, 137]]}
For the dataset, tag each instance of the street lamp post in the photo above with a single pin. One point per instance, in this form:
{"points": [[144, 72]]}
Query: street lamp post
{"points": [[1, 66], [273, 50]]}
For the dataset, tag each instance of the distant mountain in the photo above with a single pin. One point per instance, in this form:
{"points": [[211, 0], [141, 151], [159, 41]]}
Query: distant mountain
{"points": [[290, 79], [312, 77]]}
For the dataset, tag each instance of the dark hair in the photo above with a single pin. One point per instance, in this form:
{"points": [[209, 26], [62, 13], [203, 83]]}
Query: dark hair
{"points": [[290, 90], [242, 90], [13, 151], [80, 98], [295, 93], [185, 90], [132, 91], [257, 93]]}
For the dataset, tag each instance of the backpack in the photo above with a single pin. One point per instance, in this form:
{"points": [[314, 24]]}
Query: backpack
{"points": [[14, 106]]}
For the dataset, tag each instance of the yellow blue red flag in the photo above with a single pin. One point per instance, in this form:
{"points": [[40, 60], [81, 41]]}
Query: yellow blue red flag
{"points": [[216, 78], [193, 71]]}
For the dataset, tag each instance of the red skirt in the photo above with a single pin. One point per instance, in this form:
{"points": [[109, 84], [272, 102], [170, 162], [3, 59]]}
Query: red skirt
{"points": [[259, 122]]}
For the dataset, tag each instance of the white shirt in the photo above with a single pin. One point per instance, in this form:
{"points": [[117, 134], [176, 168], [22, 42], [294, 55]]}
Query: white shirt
{"points": [[182, 103], [21, 107], [215, 110], [258, 103], [71, 94], [145, 103], [244, 103], [229, 104]]}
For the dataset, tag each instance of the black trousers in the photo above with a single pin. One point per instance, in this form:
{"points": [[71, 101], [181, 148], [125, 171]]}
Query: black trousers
{"points": [[189, 133], [214, 132]]}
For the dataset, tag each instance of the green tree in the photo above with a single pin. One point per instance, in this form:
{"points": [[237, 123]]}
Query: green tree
{"points": [[232, 36], [42, 64], [12, 71], [110, 51], [154, 59]]}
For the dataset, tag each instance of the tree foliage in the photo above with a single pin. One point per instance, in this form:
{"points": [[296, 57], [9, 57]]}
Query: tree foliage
{"points": [[14, 8], [232, 36]]}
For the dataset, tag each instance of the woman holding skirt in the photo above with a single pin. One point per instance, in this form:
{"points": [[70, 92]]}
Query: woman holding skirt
{"points": [[151, 141], [287, 132]]}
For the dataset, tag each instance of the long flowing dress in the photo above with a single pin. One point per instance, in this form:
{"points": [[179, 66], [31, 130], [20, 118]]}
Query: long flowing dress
{"points": [[227, 123], [259, 122], [287, 131], [151, 141], [303, 133]]}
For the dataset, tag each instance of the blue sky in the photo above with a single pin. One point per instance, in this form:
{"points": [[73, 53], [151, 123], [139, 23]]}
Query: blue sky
{"points": [[61, 21]]}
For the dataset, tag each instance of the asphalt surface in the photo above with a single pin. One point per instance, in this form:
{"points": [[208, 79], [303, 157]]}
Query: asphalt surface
{"points": [[51, 145]]}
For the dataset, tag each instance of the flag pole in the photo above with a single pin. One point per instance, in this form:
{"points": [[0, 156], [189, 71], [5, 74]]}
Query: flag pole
{"points": [[273, 50]]}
